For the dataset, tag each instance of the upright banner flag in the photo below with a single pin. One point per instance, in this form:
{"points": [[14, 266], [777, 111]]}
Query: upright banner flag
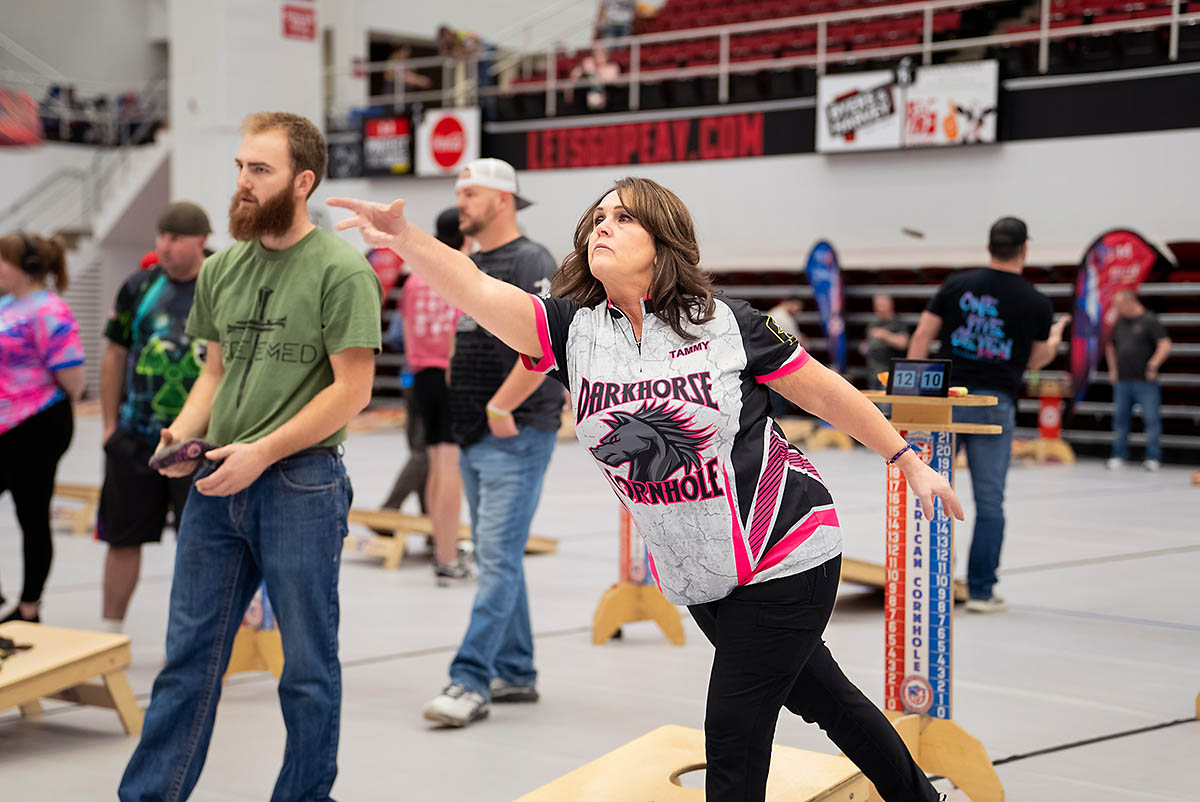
{"points": [[1118, 259], [826, 282]]}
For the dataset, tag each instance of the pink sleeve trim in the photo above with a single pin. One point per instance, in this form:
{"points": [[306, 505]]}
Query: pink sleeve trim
{"points": [[791, 366], [546, 363]]}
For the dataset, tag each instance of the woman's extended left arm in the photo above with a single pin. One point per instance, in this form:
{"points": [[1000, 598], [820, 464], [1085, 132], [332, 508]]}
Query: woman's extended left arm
{"points": [[817, 389]]}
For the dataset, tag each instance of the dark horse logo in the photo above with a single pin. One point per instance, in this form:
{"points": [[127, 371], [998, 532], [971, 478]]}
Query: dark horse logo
{"points": [[655, 440]]}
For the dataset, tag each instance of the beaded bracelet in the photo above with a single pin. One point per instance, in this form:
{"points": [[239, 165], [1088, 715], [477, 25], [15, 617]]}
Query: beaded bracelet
{"points": [[899, 454]]}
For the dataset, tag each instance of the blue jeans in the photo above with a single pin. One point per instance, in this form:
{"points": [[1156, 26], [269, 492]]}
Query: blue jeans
{"points": [[1149, 396], [502, 478], [988, 456], [287, 528]]}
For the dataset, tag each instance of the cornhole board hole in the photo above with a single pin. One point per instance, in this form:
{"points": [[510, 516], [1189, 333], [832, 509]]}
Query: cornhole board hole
{"points": [[61, 664], [648, 768], [392, 549]]}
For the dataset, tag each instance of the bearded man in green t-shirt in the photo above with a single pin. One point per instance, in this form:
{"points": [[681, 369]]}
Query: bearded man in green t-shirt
{"points": [[290, 314]]}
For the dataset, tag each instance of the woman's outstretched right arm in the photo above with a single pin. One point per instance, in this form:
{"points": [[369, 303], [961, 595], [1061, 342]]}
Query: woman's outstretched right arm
{"points": [[501, 308]]}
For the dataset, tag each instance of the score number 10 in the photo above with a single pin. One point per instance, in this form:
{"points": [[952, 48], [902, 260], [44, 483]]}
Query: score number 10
{"points": [[930, 379]]}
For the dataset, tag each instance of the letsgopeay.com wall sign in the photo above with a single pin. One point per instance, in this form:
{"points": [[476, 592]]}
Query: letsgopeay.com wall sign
{"points": [[641, 139]]}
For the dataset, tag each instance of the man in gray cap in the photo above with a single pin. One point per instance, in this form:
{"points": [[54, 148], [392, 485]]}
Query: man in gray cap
{"points": [[149, 366], [993, 325], [505, 422]]}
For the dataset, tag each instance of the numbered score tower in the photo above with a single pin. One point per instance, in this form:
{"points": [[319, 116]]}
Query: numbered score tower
{"points": [[919, 601]]}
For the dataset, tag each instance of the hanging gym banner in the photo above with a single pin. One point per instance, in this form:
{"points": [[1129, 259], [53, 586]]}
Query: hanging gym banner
{"points": [[826, 281], [19, 122], [644, 140], [911, 106], [1118, 259]]}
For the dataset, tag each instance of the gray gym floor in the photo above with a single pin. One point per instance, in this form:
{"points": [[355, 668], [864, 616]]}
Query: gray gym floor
{"points": [[1103, 639]]}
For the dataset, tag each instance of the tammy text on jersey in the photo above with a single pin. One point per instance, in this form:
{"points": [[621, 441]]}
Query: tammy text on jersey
{"points": [[695, 388]]}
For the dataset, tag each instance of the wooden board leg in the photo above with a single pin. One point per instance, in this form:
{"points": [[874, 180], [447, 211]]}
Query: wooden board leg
{"points": [[395, 552], [618, 604], [124, 702], [31, 710], [270, 648], [949, 750], [666, 615]]}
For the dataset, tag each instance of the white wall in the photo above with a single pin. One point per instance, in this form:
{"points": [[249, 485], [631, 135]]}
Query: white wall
{"points": [[767, 212], [229, 58], [101, 45]]}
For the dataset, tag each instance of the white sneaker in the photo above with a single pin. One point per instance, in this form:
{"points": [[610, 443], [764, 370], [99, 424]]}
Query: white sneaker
{"points": [[1115, 463], [455, 706], [1152, 465], [995, 604]]}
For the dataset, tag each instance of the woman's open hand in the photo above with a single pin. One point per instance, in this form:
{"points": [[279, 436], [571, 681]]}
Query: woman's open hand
{"points": [[927, 484], [381, 225]]}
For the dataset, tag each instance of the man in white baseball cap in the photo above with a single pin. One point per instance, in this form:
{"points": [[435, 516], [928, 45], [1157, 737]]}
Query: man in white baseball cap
{"points": [[504, 419], [492, 174]]}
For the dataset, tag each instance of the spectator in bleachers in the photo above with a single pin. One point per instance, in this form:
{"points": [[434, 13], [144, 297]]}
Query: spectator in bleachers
{"points": [[993, 325], [887, 339], [1137, 349], [398, 78], [41, 374], [594, 72], [614, 18]]}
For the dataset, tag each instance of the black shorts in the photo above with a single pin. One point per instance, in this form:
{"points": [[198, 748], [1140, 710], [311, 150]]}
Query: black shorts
{"points": [[135, 497], [431, 401]]}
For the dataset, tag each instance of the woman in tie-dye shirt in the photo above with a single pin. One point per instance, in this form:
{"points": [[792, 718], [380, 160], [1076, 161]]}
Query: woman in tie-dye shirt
{"points": [[41, 372]]}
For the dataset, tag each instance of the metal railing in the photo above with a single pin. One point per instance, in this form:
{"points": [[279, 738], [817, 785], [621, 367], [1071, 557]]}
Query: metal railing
{"points": [[820, 59], [71, 197]]}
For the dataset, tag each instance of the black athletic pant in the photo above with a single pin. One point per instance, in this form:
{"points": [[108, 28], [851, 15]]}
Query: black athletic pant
{"points": [[769, 654], [29, 455]]}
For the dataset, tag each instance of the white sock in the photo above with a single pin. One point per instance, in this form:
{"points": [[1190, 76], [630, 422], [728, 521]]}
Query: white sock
{"points": [[116, 625]]}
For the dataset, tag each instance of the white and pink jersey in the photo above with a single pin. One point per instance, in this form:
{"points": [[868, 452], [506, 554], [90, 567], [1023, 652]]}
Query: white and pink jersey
{"points": [[681, 430]]}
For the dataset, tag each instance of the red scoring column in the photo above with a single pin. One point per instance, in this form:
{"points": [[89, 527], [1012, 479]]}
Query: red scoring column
{"points": [[896, 549]]}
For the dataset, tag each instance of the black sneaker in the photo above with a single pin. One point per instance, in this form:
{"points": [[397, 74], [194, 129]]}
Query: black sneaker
{"points": [[15, 615], [503, 691]]}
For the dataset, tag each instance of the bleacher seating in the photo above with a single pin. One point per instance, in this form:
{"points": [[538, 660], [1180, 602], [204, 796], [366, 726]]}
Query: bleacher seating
{"points": [[1085, 52], [1089, 428]]}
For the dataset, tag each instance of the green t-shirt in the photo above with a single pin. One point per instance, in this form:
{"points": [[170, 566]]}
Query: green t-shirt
{"points": [[278, 316]]}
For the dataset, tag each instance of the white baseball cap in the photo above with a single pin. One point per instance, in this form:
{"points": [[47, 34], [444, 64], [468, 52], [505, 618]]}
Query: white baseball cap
{"points": [[492, 174]]}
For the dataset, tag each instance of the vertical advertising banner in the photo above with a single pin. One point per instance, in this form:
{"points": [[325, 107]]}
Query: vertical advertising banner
{"points": [[1118, 259], [447, 140], [826, 281], [919, 592]]}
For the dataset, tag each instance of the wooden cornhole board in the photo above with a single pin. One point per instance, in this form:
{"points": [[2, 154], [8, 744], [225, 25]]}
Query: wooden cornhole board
{"points": [[82, 519], [647, 770], [60, 665], [392, 549], [874, 575]]}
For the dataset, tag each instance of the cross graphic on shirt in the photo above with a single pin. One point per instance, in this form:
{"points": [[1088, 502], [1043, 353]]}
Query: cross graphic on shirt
{"points": [[259, 325]]}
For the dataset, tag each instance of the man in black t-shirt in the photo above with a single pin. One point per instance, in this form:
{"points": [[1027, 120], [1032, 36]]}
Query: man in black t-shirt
{"points": [[149, 367], [993, 325], [505, 420], [1138, 347]]}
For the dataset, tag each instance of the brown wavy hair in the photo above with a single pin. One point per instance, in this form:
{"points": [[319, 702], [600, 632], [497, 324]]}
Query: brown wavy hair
{"points": [[51, 254], [681, 289]]}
